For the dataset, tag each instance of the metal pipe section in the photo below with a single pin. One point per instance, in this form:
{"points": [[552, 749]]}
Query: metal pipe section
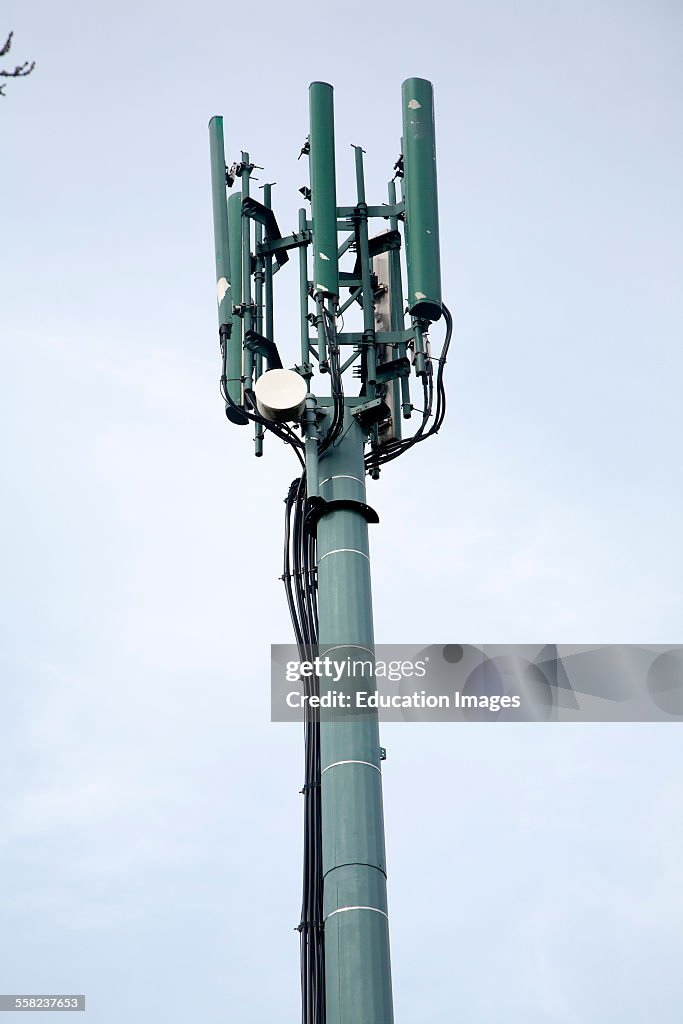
{"points": [[421, 203], [303, 299], [357, 962], [368, 300], [235, 229], [270, 329], [257, 363], [323, 190], [247, 315], [397, 318]]}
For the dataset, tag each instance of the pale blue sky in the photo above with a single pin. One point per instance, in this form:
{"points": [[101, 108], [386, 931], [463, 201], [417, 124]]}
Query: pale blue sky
{"points": [[150, 820]]}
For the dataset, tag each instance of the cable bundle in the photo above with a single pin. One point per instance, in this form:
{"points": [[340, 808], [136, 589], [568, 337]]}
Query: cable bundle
{"points": [[299, 577], [337, 388], [390, 451]]}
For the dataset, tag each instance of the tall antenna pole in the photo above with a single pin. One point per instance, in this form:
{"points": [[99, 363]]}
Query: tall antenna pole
{"points": [[339, 436], [357, 966]]}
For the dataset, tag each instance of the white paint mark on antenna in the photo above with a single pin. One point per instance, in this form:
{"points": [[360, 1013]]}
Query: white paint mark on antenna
{"points": [[414, 105], [323, 256], [420, 295], [221, 288]]}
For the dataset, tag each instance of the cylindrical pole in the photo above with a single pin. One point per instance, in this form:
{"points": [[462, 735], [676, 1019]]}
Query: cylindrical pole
{"points": [[303, 299], [364, 254], [246, 273], [397, 318], [357, 964], [225, 281], [323, 190], [422, 209], [257, 365], [220, 222], [270, 331]]}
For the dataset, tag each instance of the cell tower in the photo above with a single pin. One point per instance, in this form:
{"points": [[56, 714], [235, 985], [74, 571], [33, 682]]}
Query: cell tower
{"points": [[340, 408]]}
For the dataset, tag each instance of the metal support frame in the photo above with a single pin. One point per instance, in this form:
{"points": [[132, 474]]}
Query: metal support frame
{"points": [[354, 896]]}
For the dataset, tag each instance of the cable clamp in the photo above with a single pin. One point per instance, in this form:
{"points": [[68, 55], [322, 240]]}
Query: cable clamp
{"points": [[309, 785], [317, 507]]}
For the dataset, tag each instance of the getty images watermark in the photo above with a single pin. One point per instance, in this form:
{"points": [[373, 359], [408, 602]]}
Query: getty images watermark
{"points": [[479, 683]]}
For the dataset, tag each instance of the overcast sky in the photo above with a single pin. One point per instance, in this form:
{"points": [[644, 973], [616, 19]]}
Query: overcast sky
{"points": [[150, 842]]}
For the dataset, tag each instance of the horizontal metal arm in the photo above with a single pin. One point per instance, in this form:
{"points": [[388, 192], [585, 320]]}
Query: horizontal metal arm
{"points": [[395, 210], [279, 244]]}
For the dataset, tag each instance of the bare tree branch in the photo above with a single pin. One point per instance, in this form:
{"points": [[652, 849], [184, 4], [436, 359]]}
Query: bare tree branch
{"points": [[20, 71]]}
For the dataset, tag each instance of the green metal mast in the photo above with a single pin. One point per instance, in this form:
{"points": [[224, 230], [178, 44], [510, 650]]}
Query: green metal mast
{"points": [[340, 434], [357, 965]]}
